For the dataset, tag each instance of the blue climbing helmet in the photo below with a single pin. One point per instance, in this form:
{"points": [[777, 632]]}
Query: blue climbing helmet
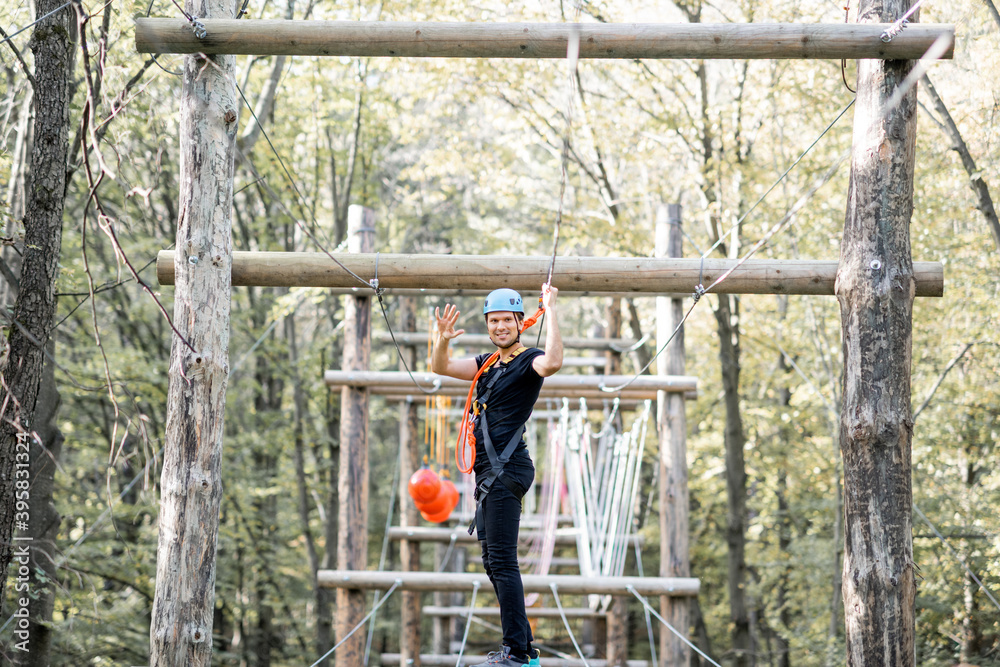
{"points": [[503, 300]]}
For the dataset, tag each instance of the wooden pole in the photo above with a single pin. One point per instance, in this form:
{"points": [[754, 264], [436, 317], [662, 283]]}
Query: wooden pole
{"points": [[461, 536], [566, 584], [875, 288], [396, 379], [533, 612], [191, 481], [617, 632], [672, 421], [352, 484], [613, 358], [631, 275], [409, 462], [483, 340], [432, 660], [395, 39]]}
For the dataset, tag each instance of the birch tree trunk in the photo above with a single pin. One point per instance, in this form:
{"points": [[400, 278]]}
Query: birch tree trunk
{"points": [[191, 484], [35, 305], [875, 288]]}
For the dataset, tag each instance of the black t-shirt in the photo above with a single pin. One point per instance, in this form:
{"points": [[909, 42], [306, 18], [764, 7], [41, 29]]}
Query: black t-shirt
{"points": [[508, 409]]}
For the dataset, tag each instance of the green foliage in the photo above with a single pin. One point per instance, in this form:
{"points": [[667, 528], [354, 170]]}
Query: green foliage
{"points": [[465, 157]]}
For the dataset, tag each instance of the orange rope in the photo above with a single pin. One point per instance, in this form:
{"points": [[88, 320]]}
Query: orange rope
{"points": [[466, 435]]}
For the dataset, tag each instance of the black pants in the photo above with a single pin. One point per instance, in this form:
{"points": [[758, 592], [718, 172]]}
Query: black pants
{"points": [[502, 518]]}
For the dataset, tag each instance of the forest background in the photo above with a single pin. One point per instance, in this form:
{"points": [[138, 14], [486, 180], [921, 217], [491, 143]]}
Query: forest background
{"points": [[463, 156]]}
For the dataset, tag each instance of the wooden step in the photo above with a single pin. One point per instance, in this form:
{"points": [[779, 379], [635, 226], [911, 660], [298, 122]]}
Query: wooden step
{"points": [[533, 612], [450, 660], [563, 537], [566, 584]]}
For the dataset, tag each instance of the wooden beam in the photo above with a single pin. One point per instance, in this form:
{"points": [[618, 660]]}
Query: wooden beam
{"points": [[461, 535], [483, 340], [409, 515], [544, 413], [587, 386], [481, 293], [675, 560], [533, 612], [438, 660], [633, 275], [395, 39], [566, 584], [352, 479]]}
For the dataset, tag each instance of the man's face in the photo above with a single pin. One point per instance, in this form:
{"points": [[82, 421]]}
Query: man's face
{"points": [[503, 327]]}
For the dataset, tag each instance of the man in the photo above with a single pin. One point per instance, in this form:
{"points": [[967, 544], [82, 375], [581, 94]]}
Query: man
{"points": [[505, 396]]}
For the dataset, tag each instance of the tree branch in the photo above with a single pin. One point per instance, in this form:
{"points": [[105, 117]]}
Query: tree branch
{"points": [[20, 59], [993, 11], [976, 182]]}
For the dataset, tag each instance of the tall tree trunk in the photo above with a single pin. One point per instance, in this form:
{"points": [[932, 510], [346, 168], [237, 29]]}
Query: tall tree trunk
{"points": [[875, 289], [191, 484], [736, 480], [325, 597], [267, 401], [43, 528], [972, 632], [34, 308], [784, 511]]}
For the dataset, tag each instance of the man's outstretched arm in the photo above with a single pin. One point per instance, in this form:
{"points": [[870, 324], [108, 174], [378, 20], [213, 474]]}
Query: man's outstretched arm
{"points": [[550, 362], [441, 363]]}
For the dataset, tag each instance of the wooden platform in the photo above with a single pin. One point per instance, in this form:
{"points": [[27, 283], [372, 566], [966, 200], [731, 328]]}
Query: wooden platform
{"points": [[566, 584]]}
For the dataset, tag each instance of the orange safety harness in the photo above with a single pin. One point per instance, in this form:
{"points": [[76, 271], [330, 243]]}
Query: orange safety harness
{"points": [[466, 432]]}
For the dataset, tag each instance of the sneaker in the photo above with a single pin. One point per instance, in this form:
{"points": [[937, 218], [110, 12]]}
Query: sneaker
{"points": [[502, 658], [536, 658]]}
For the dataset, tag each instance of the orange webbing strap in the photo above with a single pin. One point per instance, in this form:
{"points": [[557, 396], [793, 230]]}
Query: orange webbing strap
{"points": [[466, 434]]}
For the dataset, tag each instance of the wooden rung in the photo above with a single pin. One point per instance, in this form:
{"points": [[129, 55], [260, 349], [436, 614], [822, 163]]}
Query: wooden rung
{"points": [[563, 537], [566, 584], [533, 612], [634, 275], [741, 41], [431, 660]]}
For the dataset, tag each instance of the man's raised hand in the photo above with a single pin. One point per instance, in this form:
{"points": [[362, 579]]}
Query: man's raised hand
{"points": [[446, 322]]}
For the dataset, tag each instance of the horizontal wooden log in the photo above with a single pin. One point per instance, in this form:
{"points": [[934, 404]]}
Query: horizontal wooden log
{"points": [[566, 584], [394, 381], [481, 293], [402, 392], [632, 275], [482, 340], [533, 612], [433, 660], [598, 403], [394, 39], [563, 537]]}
